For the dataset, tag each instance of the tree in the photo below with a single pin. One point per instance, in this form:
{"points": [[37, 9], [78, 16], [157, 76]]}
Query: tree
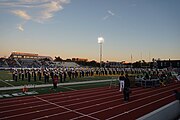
{"points": [[58, 59]]}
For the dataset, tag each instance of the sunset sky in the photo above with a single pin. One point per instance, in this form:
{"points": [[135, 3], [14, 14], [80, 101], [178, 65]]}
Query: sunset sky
{"points": [[145, 29]]}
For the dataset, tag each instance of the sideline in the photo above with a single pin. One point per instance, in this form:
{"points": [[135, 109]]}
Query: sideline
{"points": [[67, 88], [6, 83], [50, 85]]}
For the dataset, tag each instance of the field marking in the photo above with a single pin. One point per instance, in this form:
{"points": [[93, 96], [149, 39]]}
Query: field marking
{"points": [[49, 85], [93, 112], [87, 101], [71, 100], [76, 96], [80, 85], [100, 104], [132, 101], [6, 83], [110, 108], [67, 88], [47, 110], [64, 108], [52, 95], [56, 98], [17, 115], [67, 100], [126, 112]]}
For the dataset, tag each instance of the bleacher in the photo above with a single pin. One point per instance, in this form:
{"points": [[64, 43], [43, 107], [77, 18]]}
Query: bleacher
{"points": [[12, 63], [29, 63], [3, 63], [69, 64]]}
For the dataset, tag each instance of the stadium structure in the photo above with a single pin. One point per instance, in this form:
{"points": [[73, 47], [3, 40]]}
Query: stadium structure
{"points": [[32, 60]]}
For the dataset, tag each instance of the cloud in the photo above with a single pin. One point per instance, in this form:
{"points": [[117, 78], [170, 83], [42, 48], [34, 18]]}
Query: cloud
{"points": [[49, 9], [106, 17], [22, 14], [35, 10], [20, 27], [110, 13]]}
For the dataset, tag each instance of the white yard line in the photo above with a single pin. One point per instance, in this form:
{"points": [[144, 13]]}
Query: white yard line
{"points": [[64, 108], [6, 83]]}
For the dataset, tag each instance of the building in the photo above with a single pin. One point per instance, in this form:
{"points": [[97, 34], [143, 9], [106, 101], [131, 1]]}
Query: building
{"points": [[113, 64], [167, 63], [79, 59], [22, 55]]}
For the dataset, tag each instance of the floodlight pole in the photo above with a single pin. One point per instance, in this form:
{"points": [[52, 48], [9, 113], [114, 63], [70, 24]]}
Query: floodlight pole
{"points": [[100, 55], [100, 41]]}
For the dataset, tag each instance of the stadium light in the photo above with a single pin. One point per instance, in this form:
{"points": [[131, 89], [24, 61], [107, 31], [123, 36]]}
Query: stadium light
{"points": [[100, 41]]}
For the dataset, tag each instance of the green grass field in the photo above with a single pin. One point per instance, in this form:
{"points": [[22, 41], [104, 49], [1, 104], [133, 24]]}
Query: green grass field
{"points": [[6, 77]]}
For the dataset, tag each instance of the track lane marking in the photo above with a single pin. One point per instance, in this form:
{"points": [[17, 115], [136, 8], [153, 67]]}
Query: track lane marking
{"points": [[126, 112], [122, 104], [62, 98], [154, 90], [65, 108], [45, 110], [87, 101], [52, 97]]}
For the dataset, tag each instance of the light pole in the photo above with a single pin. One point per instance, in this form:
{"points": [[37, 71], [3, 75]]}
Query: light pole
{"points": [[100, 41]]}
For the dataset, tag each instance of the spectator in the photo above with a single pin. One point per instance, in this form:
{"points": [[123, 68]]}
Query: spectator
{"points": [[126, 90], [121, 82]]}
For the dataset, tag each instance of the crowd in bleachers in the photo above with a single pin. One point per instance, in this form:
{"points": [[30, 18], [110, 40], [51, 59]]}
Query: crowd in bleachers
{"points": [[156, 77]]}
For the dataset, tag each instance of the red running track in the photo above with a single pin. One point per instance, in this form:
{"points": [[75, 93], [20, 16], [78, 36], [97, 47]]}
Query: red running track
{"points": [[89, 104]]}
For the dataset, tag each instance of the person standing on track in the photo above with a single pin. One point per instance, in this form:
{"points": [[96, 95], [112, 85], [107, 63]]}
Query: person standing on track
{"points": [[121, 82], [126, 90]]}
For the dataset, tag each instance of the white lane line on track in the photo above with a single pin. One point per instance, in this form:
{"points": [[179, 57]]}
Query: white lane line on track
{"points": [[17, 115], [120, 105], [6, 83], [61, 102], [89, 94], [138, 91], [93, 105], [68, 111], [65, 109], [52, 95], [126, 112]]}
